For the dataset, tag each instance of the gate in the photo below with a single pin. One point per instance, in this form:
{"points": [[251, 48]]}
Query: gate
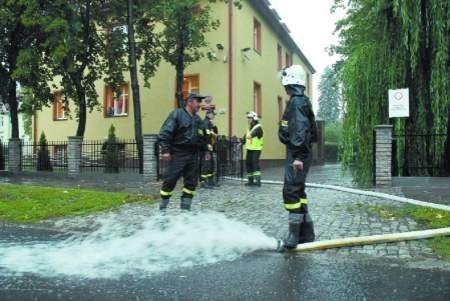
{"points": [[228, 159], [418, 154]]}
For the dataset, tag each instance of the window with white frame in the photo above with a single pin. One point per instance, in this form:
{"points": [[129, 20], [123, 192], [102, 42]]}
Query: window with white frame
{"points": [[59, 106], [116, 104]]}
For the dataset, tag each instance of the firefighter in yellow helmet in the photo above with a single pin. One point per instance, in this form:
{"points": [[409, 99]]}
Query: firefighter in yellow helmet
{"points": [[254, 146], [297, 131]]}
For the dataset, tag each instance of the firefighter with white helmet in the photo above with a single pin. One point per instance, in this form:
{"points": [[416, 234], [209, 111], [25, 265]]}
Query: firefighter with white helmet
{"points": [[253, 145], [297, 130]]}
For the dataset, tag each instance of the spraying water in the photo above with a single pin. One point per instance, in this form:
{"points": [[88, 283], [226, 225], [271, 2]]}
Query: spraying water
{"points": [[158, 244]]}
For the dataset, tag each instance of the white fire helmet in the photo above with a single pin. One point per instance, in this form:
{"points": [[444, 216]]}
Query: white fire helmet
{"points": [[293, 75], [251, 115]]}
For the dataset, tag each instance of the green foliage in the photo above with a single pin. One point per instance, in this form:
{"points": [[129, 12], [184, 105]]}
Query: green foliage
{"points": [[441, 245], [333, 133], [111, 152], [21, 49], [75, 51], [183, 38], [428, 217], [146, 14], [28, 204], [388, 45], [330, 96], [27, 109], [43, 160]]}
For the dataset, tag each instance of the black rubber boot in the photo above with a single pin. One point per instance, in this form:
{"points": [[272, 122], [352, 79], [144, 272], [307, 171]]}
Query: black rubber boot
{"points": [[212, 182], [205, 184], [185, 203], [258, 180], [163, 204], [295, 220], [306, 230], [250, 181]]}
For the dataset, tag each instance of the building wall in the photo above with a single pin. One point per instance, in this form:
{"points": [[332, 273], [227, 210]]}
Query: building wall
{"points": [[6, 129], [159, 100]]}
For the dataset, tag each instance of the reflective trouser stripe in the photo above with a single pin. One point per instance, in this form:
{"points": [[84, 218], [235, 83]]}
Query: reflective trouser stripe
{"points": [[188, 191], [296, 205], [165, 193]]}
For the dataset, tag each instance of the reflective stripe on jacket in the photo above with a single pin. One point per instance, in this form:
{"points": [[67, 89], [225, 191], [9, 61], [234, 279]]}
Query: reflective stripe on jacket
{"points": [[254, 143]]}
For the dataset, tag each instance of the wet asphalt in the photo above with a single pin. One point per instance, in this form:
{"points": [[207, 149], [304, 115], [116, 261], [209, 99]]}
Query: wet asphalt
{"points": [[263, 275], [401, 271]]}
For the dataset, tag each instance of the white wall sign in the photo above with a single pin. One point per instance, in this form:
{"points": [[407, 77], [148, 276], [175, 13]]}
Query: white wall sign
{"points": [[399, 103]]}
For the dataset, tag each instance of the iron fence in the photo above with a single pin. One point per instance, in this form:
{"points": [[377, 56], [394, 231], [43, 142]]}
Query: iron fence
{"points": [[100, 156], [418, 154], [49, 157], [228, 159], [3, 155]]}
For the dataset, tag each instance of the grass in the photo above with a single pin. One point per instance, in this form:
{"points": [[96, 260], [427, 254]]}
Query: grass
{"points": [[429, 218], [28, 204]]}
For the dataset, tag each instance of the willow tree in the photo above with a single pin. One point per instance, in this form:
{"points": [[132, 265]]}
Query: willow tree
{"points": [[330, 96], [390, 44]]}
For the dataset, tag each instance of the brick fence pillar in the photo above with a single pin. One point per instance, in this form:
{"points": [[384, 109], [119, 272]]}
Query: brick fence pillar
{"points": [[150, 159], [14, 155], [74, 155], [383, 155]]}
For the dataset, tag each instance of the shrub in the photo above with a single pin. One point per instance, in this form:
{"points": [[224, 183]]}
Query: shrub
{"points": [[111, 152], [43, 160]]}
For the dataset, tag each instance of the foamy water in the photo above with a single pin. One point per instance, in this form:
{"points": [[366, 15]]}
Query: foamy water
{"points": [[158, 244]]}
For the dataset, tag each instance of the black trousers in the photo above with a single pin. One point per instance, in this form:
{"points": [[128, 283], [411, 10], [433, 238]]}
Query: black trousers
{"points": [[207, 164], [252, 162], [182, 164], [294, 196]]}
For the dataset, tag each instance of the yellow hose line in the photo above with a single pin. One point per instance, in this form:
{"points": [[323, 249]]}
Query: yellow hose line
{"points": [[371, 239]]}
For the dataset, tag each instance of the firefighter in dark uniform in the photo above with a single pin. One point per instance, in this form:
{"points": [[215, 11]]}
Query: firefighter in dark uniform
{"points": [[297, 131], [207, 164], [253, 145], [181, 138]]}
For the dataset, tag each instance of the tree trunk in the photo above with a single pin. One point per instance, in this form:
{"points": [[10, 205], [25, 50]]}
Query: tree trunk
{"points": [[180, 76], [447, 146], [81, 108], [180, 60], [135, 87], [12, 101]]}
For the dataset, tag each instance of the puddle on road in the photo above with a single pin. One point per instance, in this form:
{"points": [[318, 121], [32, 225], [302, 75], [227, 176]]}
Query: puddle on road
{"points": [[159, 244]]}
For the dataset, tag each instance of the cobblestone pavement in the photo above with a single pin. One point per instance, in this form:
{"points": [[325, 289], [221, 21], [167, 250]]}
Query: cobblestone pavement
{"points": [[335, 214]]}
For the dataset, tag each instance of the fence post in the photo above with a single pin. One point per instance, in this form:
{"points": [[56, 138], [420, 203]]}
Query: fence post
{"points": [[14, 155], [383, 155], [150, 159], [74, 155]]}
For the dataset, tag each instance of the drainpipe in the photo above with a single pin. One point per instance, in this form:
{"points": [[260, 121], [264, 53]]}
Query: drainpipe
{"points": [[230, 68]]}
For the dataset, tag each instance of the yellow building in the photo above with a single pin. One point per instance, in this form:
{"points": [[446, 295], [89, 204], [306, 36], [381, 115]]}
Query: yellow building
{"points": [[250, 47]]}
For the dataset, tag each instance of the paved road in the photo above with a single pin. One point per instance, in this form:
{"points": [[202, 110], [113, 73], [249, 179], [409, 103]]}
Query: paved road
{"points": [[398, 271], [260, 275]]}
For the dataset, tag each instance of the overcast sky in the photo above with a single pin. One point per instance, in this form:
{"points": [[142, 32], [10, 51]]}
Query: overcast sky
{"points": [[311, 25]]}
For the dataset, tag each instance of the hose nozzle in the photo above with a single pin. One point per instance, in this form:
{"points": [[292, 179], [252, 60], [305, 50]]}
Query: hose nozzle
{"points": [[280, 246]]}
